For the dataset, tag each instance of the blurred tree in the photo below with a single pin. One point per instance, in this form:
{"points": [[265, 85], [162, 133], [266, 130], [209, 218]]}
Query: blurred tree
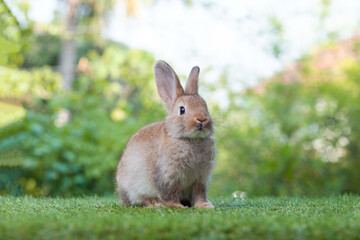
{"points": [[11, 33], [88, 14], [277, 35], [88, 18]]}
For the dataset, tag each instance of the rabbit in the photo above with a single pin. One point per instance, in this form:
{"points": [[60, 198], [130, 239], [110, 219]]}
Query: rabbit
{"points": [[169, 163]]}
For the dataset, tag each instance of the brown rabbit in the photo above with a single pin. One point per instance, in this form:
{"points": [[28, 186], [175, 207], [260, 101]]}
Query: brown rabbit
{"points": [[168, 163]]}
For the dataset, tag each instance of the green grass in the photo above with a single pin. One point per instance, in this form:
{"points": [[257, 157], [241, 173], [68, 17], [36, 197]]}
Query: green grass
{"points": [[252, 218]]}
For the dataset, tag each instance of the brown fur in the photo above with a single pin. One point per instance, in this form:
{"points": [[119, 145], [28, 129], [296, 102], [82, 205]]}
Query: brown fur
{"points": [[170, 161], [192, 84]]}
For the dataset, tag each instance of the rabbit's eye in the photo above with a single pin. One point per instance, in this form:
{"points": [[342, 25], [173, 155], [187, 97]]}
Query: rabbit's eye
{"points": [[182, 110]]}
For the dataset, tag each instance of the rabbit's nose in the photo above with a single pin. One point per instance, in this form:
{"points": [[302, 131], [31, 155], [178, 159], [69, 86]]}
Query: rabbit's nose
{"points": [[202, 120]]}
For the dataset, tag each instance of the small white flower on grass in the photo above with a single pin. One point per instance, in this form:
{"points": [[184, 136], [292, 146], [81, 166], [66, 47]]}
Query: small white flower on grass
{"points": [[239, 194]]}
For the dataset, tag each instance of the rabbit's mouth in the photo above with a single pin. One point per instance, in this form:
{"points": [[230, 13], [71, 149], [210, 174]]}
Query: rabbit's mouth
{"points": [[200, 132], [200, 129]]}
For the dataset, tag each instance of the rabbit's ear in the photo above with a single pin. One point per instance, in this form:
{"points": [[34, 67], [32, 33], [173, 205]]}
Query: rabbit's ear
{"points": [[167, 82], [192, 82]]}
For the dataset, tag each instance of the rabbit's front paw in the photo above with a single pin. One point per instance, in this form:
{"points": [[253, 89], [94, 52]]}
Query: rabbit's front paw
{"points": [[174, 205], [204, 205]]}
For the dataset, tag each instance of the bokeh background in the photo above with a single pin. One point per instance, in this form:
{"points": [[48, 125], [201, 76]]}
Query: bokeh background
{"points": [[281, 78]]}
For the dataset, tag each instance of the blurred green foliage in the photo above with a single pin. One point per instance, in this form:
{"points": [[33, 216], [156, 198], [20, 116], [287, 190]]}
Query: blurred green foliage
{"points": [[40, 82], [10, 32], [297, 138], [70, 143], [35, 57]]}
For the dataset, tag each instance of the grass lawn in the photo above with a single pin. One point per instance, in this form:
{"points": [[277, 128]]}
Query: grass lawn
{"points": [[252, 218]]}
